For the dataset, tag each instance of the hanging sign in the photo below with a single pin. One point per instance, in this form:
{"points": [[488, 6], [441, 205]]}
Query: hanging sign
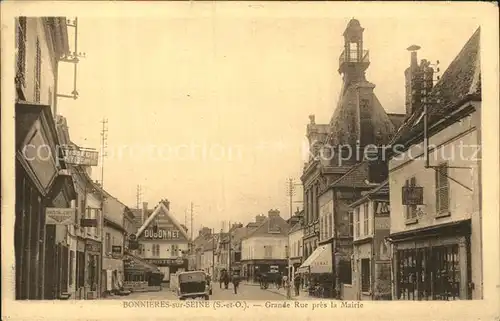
{"points": [[413, 195], [60, 216], [85, 157]]}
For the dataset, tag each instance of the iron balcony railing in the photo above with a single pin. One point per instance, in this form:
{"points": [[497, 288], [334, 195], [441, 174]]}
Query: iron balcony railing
{"points": [[352, 56]]}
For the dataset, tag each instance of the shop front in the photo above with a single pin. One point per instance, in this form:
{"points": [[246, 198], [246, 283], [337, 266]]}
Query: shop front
{"points": [[253, 268], [317, 269], [80, 269], [41, 183], [113, 265], [169, 266], [139, 274], [433, 263], [93, 268]]}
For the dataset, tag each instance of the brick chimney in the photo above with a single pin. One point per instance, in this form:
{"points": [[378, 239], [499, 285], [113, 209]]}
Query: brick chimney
{"points": [[144, 212], [259, 219], [273, 213], [418, 81]]}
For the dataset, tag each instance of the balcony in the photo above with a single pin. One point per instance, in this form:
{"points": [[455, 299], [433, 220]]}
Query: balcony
{"points": [[352, 56]]}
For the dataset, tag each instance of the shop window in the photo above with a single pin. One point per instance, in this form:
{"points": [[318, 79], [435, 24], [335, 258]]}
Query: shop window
{"points": [[429, 273], [365, 275], [411, 210], [442, 188]]}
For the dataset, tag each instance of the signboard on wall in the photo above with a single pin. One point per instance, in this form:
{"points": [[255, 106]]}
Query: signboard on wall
{"points": [[60, 216], [413, 195], [88, 222], [162, 234], [167, 262]]}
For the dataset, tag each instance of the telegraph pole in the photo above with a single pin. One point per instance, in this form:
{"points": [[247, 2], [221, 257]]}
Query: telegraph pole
{"points": [[192, 221], [138, 195], [104, 139]]}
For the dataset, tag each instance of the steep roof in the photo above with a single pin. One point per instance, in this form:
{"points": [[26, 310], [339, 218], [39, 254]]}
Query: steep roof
{"points": [[295, 228], [162, 207], [397, 119], [380, 191], [272, 225], [355, 177], [460, 82]]}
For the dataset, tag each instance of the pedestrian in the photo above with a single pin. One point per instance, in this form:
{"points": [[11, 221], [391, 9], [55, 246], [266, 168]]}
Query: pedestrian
{"points": [[297, 282], [226, 281], [236, 283]]}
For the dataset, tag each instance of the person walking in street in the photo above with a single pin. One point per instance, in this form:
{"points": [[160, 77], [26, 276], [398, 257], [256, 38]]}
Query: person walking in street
{"points": [[296, 282], [236, 283], [226, 280]]}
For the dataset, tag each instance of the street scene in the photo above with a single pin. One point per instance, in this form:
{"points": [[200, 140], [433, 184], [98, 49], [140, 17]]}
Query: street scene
{"points": [[248, 159]]}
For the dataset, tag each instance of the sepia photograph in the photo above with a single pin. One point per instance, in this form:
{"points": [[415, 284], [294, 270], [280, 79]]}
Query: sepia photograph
{"points": [[262, 157]]}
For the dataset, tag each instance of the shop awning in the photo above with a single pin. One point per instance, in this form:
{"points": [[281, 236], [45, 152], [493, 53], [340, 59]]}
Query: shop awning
{"points": [[133, 263], [320, 261]]}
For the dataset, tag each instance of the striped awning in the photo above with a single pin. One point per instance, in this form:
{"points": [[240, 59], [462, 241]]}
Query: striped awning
{"points": [[320, 261], [134, 263]]}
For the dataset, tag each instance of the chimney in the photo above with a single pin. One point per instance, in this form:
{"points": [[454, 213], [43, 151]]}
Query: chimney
{"points": [[273, 213], [144, 212], [259, 219], [312, 119], [413, 79]]}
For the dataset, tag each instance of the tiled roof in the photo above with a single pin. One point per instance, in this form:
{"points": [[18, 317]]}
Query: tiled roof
{"points": [[269, 223], [355, 177], [295, 228], [381, 190], [397, 119], [461, 81]]}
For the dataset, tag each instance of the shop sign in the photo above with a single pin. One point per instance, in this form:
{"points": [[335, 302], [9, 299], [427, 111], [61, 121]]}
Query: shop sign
{"points": [[166, 262], [60, 216], [116, 251], [413, 195], [93, 247], [84, 156], [162, 234], [88, 222]]}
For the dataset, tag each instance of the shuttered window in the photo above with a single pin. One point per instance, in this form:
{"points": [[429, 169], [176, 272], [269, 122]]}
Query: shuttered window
{"points": [[442, 188]]}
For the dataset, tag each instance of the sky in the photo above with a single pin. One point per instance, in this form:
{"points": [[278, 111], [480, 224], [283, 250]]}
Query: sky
{"points": [[212, 108]]}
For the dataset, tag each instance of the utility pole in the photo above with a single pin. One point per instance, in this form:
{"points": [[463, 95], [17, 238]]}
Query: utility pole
{"points": [[138, 195], [191, 221], [185, 218], [104, 139], [291, 189], [229, 250]]}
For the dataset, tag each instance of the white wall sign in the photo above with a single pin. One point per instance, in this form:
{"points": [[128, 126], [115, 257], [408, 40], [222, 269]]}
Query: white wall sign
{"points": [[60, 216]]}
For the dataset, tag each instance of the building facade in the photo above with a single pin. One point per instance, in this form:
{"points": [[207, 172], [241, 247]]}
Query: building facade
{"points": [[295, 244], [371, 265], [436, 225], [266, 247], [41, 243], [164, 242]]}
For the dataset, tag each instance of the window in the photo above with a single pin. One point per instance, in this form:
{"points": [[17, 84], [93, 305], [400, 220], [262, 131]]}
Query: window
{"points": [[268, 251], [351, 224], [172, 250], [71, 264], [411, 210], [431, 273], [156, 250], [353, 51], [21, 52], [365, 275], [38, 71], [97, 230], [442, 188], [358, 224], [108, 243], [366, 215]]}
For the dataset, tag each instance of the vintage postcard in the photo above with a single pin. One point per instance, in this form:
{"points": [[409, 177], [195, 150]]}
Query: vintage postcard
{"points": [[250, 160]]}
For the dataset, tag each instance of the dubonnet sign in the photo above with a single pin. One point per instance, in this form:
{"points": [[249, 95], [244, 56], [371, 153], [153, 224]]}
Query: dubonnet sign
{"points": [[162, 234]]}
